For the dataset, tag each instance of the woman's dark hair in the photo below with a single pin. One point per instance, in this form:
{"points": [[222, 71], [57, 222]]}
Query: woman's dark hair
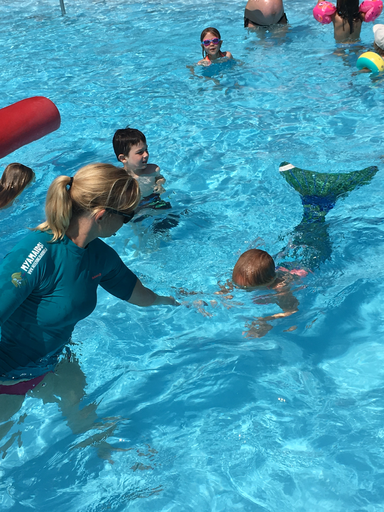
{"points": [[349, 11], [13, 181]]}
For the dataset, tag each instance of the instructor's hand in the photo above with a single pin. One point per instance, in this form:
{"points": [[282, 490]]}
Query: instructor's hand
{"points": [[144, 297], [165, 301]]}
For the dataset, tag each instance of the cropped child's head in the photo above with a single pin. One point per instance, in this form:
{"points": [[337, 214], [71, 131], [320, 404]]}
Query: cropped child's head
{"points": [[349, 10], [254, 268], [347, 4], [348, 7], [15, 178], [378, 31], [208, 37], [124, 139]]}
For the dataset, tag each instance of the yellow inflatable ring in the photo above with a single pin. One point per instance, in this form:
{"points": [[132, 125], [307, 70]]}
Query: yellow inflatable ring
{"points": [[372, 61]]}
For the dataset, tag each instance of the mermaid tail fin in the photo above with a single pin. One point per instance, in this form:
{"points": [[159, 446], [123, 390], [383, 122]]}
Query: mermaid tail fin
{"points": [[319, 192], [322, 188]]}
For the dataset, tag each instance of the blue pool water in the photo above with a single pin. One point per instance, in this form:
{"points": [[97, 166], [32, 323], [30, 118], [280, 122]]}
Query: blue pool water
{"points": [[180, 410]]}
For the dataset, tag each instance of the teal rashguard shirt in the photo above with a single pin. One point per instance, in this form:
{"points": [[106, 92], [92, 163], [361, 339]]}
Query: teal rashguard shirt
{"points": [[46, 288]]}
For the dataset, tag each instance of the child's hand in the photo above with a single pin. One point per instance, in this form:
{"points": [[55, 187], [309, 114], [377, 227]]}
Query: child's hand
{"points": [[159, 182], [199, 306], [158, 189], [162, 300], [225, 288], [280, 315], [257, 329], [184, 292]]}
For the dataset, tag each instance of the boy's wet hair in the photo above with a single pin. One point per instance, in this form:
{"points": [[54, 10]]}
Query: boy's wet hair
{"points": [[254, 268], [125, 138]]}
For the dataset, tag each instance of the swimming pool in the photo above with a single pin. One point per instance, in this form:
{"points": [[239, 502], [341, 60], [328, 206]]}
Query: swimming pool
{"points": [[181, 411]]}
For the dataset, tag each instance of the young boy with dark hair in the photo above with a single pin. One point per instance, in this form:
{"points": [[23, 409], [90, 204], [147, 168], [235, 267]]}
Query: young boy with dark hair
{"points": [[130, 147]]}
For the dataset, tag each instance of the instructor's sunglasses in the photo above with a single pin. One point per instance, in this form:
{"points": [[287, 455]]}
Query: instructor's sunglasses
{"points": [[207, 42], [127, 216]]}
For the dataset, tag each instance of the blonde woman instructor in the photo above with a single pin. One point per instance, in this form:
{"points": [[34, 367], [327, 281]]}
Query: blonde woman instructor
{"points": [[49, 280]]}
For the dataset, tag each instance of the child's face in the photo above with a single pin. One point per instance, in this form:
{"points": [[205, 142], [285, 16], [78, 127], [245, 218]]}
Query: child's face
{"points": [[211, 49], [137, 158]]}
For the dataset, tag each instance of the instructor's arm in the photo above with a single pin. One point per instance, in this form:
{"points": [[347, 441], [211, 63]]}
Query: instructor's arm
{"points": [[144, 297]]}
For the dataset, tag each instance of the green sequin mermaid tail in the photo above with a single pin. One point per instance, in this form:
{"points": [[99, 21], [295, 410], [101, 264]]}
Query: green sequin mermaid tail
{"points": [[323, 188], [319, 192]]}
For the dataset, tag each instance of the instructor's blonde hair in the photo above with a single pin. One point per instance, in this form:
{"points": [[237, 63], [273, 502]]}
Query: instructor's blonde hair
{"points": [[93, 188]]}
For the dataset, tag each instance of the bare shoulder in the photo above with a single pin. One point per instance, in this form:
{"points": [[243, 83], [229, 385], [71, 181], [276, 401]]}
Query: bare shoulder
{"points": [[151, 169], [154, 168], [204, 62], [228, 55]]}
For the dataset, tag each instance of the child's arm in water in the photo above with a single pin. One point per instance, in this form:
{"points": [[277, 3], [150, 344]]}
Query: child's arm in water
{"points": [[283, 297], [281, 294], [159, 182], [151, 181]]}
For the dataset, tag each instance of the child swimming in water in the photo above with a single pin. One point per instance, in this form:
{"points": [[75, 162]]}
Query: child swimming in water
{"points": [[310, 245], [347, 17], [255, 270], [211, 43]]}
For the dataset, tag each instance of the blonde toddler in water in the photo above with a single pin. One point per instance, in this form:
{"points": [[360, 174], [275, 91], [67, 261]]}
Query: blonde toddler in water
{"points": [[255, 270]]}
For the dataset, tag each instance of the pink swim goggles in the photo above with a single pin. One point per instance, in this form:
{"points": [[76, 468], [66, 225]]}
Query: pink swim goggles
{"points": [[215, 41]]}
